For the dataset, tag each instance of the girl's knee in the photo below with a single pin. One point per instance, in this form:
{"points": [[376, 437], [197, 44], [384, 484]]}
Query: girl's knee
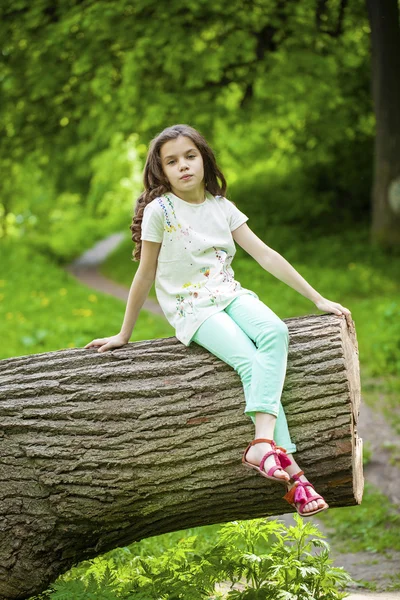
{"points": [[282, 328], [278, 328], [276, 333]]}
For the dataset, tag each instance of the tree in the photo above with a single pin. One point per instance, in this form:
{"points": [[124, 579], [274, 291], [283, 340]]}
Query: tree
{"points": [[284, 82], [385, 44], [101, 450]]}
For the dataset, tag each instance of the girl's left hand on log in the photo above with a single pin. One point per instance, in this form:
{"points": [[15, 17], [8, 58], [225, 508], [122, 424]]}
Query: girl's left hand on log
{"points": [[333, 307]]}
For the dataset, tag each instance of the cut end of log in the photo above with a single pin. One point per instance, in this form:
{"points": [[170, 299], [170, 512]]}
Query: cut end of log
{"points": [[350, 352], [358, 477]]}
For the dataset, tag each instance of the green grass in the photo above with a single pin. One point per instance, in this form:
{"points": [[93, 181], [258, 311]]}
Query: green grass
{"points": [[374, 526], [384, 393], [44, 308]]}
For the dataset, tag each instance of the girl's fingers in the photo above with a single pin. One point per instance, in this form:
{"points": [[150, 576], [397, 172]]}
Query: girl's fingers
{"points": [[343, 308], [95, 343], [104, 347], [341, 311]]}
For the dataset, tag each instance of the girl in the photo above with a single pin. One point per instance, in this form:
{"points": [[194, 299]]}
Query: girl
{"points": [[184, 229]]}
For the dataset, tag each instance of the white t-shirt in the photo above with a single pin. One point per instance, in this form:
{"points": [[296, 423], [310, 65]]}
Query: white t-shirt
{"points": [[194, 277]]}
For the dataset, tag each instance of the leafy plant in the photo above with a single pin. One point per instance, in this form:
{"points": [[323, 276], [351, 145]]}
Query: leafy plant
{"points": [[285, 569], [259, 559]]}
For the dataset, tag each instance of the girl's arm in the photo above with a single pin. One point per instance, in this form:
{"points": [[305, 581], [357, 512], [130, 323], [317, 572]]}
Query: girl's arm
{"points": [[140, 288], [278, 266]]}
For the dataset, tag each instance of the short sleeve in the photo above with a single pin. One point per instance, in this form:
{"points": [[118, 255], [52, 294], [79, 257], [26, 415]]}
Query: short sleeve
{"points": [[235, 216], [152, 224]]}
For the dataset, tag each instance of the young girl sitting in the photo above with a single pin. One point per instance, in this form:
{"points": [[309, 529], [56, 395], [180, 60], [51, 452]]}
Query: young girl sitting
{"points": [[185, 232]]}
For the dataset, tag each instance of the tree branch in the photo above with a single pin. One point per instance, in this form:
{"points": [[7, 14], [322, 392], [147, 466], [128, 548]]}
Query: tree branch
{"points": [[322, 11]]}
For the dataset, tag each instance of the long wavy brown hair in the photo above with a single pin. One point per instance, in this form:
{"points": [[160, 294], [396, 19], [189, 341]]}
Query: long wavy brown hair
{"points": [[155, 182]]}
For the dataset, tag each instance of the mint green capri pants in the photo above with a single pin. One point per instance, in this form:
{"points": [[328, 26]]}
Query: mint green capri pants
{"points": [[252, 339]]}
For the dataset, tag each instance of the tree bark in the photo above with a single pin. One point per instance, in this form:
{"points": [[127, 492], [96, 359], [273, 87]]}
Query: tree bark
{"points": [[385, 46], [101, 450]]}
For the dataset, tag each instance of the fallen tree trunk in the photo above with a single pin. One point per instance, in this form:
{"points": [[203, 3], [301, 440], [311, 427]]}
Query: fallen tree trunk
{"points": [[101, 450]]}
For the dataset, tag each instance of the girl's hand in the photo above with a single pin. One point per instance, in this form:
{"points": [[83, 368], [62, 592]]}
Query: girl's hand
{"points": [[115, 341], [333, 307]]}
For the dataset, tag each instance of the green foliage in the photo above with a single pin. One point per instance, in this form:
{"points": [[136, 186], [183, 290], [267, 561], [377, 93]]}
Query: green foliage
{"points": [[321, 196], [367, 453], [259, 559], [387, 351], [291, 122], [67, 229], [43, 308], [64, 223], [278, 197], [292, 127], [94, 587]]}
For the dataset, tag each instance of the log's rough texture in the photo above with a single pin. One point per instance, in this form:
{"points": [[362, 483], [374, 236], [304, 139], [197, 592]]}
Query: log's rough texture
{"points": [[100, 450]]}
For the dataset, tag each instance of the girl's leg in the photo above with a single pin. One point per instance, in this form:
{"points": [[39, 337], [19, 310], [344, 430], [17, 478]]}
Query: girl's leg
{"points": [[271, 337], [268, 370], [222, 336], [230, 341]]}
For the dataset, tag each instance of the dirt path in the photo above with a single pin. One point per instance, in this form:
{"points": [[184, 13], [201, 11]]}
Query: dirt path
{"points": [[86, 270], [373, 429]]}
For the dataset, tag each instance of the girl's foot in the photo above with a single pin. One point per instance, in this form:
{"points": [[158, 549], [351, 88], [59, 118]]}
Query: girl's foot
{"points": [[255, 453], [303, 497]]}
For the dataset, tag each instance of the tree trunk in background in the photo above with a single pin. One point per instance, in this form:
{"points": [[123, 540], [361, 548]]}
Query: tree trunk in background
{"points": [[385, 41], [100, 450]]}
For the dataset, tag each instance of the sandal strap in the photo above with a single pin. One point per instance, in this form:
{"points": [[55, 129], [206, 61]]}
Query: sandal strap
{"points": [[257, 441], [272, 470], [260, 440], [306, 498], [298, 494], [281, 461], [297, 476], [265, 440], [264, 458], [304, 484]]}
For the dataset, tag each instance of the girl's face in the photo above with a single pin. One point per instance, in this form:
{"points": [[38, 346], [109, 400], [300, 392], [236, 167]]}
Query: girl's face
{"points": [[181, 157]]}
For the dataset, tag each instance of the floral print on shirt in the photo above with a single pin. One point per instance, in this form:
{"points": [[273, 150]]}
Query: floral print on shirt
{"points": [[187, 305], [227, 271], [168, 226]]}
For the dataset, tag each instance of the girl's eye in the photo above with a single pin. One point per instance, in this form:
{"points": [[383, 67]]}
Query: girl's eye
{"points": [[190, 156]]}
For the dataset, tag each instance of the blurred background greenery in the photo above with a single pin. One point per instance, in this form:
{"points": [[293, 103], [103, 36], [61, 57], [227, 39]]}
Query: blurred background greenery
{"points": [[282, 92]]}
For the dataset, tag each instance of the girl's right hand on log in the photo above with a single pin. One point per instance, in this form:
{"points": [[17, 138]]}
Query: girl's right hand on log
{"points": [[115, 341]]}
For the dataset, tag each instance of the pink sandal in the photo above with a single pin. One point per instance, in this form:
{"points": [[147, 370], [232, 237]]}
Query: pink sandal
{"points": [[281, 460], [299, 494]]}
